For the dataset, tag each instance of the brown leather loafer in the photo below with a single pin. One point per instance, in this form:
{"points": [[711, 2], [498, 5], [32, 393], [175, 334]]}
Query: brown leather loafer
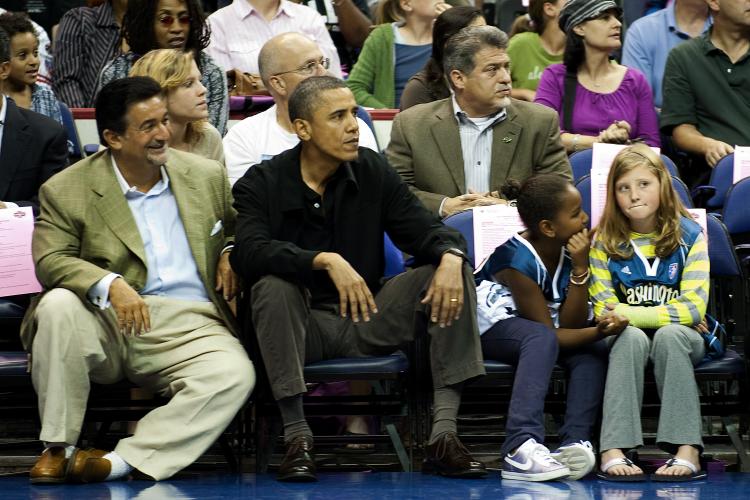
{"points": [[88, 466], [299, 463], [449, 457], [50, 468]]}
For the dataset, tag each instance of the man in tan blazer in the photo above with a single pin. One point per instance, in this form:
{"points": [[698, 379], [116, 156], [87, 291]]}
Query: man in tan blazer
{"points": [[458, 152], [132, 249]]}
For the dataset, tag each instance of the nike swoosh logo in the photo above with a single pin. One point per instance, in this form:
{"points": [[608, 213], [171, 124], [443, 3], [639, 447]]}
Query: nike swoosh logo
{"points": [[523, 466]]}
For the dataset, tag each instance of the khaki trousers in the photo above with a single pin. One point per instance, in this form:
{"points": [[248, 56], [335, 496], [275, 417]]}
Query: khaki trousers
{"points": [[188, 356]]}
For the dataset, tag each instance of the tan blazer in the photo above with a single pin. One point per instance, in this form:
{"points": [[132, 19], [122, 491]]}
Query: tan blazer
{"points": [[86, 230], [425, 148]]}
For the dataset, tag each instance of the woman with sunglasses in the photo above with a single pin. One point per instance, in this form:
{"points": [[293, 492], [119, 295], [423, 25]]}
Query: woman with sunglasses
{"points": [[178, 75], [171, 24]]}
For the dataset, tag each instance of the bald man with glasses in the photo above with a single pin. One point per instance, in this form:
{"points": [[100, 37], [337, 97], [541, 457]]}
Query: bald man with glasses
{"points": [[284, 61]]}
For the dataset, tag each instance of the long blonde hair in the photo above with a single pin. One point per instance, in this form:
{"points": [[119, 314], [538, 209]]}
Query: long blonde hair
{"points": [[170, 68], [614, 227]]}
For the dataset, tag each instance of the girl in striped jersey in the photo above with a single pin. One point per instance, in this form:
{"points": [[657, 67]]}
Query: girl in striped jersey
{"points": [[533, 312], [649, 263]]}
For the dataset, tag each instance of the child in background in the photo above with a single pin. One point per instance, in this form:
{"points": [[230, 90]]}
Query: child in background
{"points": [[649, 263], [21, 83], [532, 307]]}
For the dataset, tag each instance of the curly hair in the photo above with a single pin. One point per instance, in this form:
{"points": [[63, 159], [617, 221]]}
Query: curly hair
{"points": [[138, 27], [15, 23], [614, 226], [538, 198]]}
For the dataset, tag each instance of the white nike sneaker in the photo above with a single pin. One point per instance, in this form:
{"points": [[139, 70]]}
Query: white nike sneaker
{"points": [[578, 457], [532, 462]]}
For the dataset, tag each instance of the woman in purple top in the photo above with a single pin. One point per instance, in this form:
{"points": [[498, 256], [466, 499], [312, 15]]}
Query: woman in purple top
{"points": [[597, 99]]}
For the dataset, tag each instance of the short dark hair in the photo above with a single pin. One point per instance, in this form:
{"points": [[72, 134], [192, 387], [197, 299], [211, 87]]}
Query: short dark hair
{"points": [[116, 98], [306, 96], [4, 47], [138, 27], [15, 23], [538, 198], [461, 48]]}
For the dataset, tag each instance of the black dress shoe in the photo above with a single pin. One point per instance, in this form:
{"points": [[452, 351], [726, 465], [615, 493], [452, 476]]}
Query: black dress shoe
{"points": [[298, 465], [449, 457]]}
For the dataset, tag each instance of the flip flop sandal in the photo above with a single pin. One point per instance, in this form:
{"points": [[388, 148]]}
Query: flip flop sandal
{"points": [[695, 474], [603, 474]]}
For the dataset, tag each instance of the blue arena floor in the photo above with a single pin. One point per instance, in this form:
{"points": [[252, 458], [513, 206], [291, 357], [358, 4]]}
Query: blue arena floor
{"points": [[350, 486]]}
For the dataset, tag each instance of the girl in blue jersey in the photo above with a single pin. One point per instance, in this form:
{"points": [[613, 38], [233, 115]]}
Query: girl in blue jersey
{"points": [[532, 307], [649, 263]]}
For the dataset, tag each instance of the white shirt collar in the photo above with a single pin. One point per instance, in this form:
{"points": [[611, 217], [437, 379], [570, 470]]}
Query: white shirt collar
{"points": [[124, 184], [4, 110], [457, 111]]}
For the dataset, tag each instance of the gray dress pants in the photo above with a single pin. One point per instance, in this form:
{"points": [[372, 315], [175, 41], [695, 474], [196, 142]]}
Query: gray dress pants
{"points": [[291, 333]]}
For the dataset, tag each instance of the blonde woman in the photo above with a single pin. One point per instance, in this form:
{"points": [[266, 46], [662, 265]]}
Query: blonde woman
{"points": [[187, 105]]}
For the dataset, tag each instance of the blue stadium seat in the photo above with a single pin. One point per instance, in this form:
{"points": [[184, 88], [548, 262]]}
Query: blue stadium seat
{"points": [[463, 222], [74, 142], [713, 196]]}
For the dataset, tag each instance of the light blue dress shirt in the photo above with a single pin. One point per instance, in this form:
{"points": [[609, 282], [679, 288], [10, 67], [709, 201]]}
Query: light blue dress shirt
{"points": [[648, 42], [171, 267]]}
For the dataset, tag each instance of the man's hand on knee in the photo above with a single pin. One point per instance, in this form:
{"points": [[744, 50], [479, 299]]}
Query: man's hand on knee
{"points": [[354, 294], [132, 312], [446, 292]]}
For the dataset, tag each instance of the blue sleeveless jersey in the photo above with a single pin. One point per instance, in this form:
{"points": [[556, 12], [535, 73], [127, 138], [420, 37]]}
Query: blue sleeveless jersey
{"points": [[494, 300], [640, 282]]}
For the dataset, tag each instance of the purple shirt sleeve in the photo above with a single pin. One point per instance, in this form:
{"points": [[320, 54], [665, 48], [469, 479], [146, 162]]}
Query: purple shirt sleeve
{"points": [[646, 126], [550, 89]]}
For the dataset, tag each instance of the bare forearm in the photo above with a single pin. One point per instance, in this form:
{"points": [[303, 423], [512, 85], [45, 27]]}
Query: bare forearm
{"points": [[577, 142], [687, 138], [574, 337], [354, 25]]}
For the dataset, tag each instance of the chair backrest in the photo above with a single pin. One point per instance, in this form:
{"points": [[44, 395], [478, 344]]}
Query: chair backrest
{"points": [[580, 162], [463, 222], [736, 215], [671, 167], [394, 259], [683, 192], [506, 11], [724, 260], [721, 179], [74, 142], [584, 187], [365, 117]]}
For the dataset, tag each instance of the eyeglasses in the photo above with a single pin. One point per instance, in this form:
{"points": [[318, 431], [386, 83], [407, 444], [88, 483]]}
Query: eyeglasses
{"points": [[309, 68], [168, 20]]}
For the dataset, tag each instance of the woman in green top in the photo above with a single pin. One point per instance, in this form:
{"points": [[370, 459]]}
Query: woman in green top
{"points": [[531, 52], [394, 52]]}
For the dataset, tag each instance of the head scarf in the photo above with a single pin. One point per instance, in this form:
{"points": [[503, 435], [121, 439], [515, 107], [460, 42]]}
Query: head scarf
{"points": [[577, 11]]}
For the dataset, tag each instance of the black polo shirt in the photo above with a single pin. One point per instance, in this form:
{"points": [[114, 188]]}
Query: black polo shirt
{"points": [[280, 231], [702, 87]]}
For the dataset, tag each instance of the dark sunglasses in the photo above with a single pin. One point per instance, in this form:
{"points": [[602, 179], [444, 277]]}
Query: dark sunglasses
{"points": [[168, 20]]}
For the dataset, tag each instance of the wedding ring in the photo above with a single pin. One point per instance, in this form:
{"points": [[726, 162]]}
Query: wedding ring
{"points": [[454, 300]]}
